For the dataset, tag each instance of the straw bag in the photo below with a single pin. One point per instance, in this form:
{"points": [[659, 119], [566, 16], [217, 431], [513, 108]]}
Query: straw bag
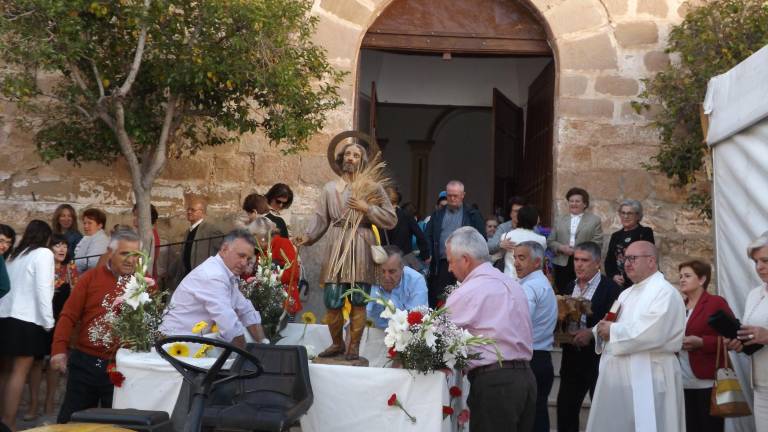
{"points": [[727, 398], [377, 251]]}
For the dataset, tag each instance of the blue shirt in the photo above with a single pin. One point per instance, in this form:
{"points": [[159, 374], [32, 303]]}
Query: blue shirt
{"points": [[543, 307], [408, 294]]}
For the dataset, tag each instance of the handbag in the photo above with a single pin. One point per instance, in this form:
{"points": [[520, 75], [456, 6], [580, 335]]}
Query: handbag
{"points": [[727, 398], [377, 251]]}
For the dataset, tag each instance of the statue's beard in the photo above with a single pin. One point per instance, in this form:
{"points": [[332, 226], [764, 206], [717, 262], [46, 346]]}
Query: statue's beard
{"points": [[349, 167]]}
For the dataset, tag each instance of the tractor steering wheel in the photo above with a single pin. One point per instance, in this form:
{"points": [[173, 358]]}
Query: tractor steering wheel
{"points": [[190, 372]]}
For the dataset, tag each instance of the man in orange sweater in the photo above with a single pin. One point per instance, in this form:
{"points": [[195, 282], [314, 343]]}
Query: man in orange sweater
{"points": [[88, 385]]}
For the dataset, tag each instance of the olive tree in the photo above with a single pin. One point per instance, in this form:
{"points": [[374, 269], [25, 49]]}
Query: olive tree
{"points": [[148, 80]]}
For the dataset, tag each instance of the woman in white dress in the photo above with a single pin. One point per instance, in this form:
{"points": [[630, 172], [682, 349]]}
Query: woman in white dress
{"points": [[527, 218], [754, 330]]}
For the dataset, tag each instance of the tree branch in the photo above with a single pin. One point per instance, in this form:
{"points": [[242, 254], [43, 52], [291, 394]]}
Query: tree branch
{"points": [[126, 87], [97, 76], [159, 155], [126, 146]]}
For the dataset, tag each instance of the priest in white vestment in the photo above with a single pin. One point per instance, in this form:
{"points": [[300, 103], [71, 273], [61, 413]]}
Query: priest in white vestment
{"points": [[640, 388]]}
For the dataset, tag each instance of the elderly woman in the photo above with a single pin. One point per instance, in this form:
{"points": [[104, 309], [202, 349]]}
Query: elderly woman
{"points": [[630, 214], [283, 252], [95, 242], [697, 359], [754, 330], [64, 222], [576, 227]]}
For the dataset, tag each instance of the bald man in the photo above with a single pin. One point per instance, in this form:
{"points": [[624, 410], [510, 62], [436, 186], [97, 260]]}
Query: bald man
{"points": [[640, 387], [202, 240]]}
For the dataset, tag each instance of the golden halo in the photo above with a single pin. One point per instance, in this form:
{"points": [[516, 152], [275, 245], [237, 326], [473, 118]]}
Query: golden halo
{"points": [[371, 146]]}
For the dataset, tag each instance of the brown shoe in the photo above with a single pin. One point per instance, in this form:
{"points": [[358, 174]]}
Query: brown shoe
{"points": [[357, 322], [336, 328]]}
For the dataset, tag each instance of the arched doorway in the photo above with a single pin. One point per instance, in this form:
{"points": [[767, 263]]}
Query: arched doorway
{"points": [[463, 91]]}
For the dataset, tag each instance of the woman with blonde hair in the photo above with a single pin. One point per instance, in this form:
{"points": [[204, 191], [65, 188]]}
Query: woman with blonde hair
{"points": [[754, 330]]}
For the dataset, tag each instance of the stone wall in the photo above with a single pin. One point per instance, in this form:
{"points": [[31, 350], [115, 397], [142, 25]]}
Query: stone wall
{"points": [[602, 50]]}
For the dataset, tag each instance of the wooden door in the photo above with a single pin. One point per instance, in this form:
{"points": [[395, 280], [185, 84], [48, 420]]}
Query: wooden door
{"points": [[534, 173], [507, 123]]}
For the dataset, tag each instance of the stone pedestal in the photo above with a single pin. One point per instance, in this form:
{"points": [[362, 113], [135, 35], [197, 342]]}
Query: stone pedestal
{"points": [[340, 360]]}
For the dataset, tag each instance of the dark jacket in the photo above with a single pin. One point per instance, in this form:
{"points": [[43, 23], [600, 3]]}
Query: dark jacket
{"points": [[471, 217], [702, 360], [400, 235], [606, 293], [619, 242]]}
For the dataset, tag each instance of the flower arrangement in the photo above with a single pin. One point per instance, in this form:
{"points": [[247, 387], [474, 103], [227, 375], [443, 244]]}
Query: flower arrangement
{"points": [[133, 313], [424, 339], [264, 289]]}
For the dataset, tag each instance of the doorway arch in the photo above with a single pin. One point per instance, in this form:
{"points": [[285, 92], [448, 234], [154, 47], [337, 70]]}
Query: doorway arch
{"points": [[521, 160]]}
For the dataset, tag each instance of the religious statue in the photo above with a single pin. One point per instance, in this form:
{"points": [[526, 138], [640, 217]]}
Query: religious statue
{"points": [[346, 210]]}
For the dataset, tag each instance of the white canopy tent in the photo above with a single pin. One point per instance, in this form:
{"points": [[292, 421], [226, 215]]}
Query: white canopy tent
{"points": [[737, 105]]}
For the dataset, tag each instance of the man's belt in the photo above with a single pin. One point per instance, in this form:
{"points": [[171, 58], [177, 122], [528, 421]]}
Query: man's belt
{"points": [[506, 364], [340, 223]]}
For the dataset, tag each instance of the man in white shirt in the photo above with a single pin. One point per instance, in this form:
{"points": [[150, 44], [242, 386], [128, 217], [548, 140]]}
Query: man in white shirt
{"points": [[210, 293], [640, 387]]}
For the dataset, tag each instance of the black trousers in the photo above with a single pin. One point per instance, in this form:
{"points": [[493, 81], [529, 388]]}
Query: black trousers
{"points": [[541, 365], [697, 416], [502, 400], [578, 375], [564, 275], [438, 281], [88, 385]]}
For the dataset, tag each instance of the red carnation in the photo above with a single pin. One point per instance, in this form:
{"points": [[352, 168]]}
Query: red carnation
{"points": [[415, 317], [391, 352], [454, 391], [115, 377], [440, 304], [463, 417], [447, 410], [392, 400]]}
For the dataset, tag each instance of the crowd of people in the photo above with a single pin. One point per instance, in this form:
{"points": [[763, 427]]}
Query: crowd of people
{"points": [[501, 278]]}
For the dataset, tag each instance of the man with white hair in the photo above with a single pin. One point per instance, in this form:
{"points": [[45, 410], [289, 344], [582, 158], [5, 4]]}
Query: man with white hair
{"points": [[88, 384], [502, 393], [640, 387], [442, 224], [542, 305]]}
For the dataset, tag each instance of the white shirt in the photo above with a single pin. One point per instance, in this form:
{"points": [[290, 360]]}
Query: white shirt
{"points": [[689, 378], [575, 221], [755, 313], [519, 235], [586, 295], [210, 293], [31, 276], [196, 224]]}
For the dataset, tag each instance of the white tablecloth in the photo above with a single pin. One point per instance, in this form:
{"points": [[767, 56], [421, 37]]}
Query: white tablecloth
{"points": [[346, 398], [151, 383]]}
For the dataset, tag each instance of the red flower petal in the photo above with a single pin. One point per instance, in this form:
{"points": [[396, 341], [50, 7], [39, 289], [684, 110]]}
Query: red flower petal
{"points": [[116, 378], [415, 317], [440, 304], [447, 410], [454, 391], [391, 352], [463, 417], [392, 400]]}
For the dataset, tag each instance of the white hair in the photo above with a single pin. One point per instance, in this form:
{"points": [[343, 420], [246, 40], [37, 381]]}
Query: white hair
{"points": [[123, 234], [468, 241], [537, 252], [261, 227], [757, 244], [635, 205], [456, 183]]}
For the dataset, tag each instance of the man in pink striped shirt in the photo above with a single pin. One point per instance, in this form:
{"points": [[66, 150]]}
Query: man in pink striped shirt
{"points": [[502, 394]]}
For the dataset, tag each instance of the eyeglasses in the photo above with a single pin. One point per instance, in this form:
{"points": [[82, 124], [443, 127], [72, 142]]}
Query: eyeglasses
{"points": [[633, 258], [282, 202], [626, 214]]}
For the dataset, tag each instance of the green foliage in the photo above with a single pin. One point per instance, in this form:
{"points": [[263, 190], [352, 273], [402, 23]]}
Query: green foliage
{"points": [[225, 67], [711, 40]]}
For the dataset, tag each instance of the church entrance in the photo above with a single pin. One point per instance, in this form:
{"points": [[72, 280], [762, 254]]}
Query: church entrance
{"points": [[465, 92]]}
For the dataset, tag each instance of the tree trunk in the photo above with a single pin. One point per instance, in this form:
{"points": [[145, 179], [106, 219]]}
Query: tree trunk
{"points": [[143, 199]]}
